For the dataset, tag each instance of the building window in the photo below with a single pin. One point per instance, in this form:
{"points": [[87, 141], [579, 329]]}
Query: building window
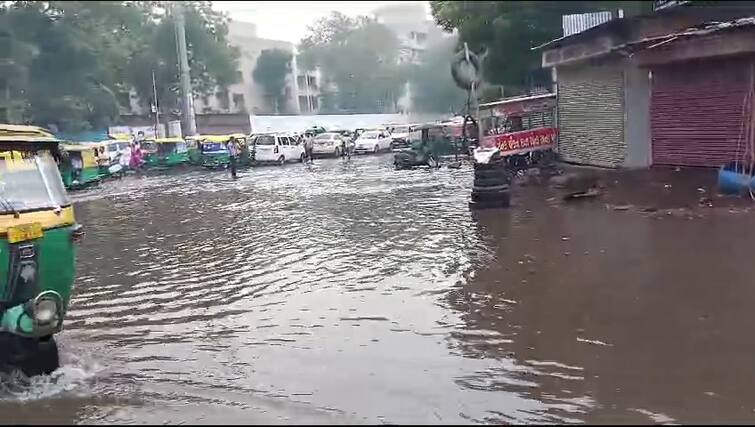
{"points": [[222, 97], [239, 77], [421, 37], [124, 99], [3, 84], [303, 106], [300, 80], [5, 45], [238, 102], [315, 106]]}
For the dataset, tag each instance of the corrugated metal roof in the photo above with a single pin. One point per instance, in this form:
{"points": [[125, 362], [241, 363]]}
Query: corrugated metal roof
{"points": [[576, 23], [696, 31], [518, 99]]}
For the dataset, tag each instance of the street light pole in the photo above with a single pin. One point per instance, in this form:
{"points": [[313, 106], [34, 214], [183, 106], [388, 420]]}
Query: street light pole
{"points": [[183, 65], [157, 106]]}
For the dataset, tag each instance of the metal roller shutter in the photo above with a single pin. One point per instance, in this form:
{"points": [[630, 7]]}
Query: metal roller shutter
{"points": [[591, 115], [696, 112]]}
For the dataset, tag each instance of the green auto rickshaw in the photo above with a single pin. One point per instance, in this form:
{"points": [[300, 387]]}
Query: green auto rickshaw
{"points": [[211, 151], [38, 233], [78, 166], [167, 152]]}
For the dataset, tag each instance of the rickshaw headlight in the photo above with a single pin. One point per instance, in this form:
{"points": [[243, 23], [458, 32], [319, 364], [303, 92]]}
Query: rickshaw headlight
{"points": [[45, 311], [47, 308]]}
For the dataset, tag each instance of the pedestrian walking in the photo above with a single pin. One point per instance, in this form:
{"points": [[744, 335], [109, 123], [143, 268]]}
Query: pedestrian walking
{"points": [[233, 153], [309, 144]]}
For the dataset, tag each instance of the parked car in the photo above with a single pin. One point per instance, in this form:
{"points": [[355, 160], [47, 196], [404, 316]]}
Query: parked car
{"points": [[328, 144], [277, 148], [373, 141]]}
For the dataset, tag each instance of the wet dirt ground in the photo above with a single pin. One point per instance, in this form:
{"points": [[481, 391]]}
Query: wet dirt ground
{"points": [[346, 292]]}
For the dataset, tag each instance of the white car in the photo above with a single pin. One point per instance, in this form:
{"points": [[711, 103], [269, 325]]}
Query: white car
{"points": [[277, 148], [373, 141], [327, 144]]}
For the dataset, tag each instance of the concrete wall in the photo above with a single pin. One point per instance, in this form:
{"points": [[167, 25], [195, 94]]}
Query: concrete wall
{"points": [[637, 116]]}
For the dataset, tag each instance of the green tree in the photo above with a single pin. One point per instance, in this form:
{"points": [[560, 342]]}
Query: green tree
{"points": [[212, 61], [72, 58], [273, 65], [508, 30], [432, 88], [359, 62]]}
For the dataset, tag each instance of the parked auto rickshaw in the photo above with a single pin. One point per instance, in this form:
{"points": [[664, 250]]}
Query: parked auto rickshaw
{"points": [[169, 152], [212, 152], [79, 166], [38, 232], [428, 143]]}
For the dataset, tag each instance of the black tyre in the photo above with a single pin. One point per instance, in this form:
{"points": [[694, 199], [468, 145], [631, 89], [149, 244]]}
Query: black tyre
{"points": [[490, 188], [337, 152], [302, 158], [490, 196], [281, 160], [500, 173], [490, 204], [488, 166], [30, 355], [490, 182]]}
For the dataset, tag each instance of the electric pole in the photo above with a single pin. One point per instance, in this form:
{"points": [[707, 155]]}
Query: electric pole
{"points": [[156, 106], [189, 120]]}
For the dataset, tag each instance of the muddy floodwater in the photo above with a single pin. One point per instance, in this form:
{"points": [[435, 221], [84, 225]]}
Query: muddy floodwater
{"points": [[347, 292]]}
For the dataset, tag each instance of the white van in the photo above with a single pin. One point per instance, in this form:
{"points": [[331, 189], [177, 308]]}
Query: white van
{"points": [[277, 148]]}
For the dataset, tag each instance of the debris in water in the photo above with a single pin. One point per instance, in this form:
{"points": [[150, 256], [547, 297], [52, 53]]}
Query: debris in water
{"points": [[622, 207], [592, 192], [596, 342]]}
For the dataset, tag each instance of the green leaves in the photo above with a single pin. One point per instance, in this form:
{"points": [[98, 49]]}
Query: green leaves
{"points": [[270, 72], [358, 57], [509, 29], [72, 58]]}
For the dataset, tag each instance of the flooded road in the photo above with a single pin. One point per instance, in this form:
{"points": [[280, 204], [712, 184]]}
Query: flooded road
{"points": [[346, 292]]}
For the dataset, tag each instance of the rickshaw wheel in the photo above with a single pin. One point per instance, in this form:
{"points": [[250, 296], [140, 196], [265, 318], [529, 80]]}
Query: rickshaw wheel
{"points": [[30, 355]]}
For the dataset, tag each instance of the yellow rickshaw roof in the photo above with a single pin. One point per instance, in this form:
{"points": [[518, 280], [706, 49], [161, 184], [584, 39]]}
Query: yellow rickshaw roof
{"points": [[120, 137], [171, 140], [21, 133], [76, 147], [216, 138]]}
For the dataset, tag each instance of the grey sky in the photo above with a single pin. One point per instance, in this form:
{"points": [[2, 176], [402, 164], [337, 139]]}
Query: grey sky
{"points": [[288, 20]]}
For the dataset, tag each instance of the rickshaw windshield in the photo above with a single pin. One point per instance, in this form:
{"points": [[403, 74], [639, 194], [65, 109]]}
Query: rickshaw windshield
{"points": [[165, 149], [213, 147], [30, 181]]}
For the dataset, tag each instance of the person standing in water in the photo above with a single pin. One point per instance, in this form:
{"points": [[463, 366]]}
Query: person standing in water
{"points": [[233, 153], [309, 144]]}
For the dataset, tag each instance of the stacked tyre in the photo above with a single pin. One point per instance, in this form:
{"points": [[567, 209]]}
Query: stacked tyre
{"points": [[491, 186]]}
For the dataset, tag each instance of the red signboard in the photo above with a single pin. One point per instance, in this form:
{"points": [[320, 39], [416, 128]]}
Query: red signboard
{"points": [[523, 141]]}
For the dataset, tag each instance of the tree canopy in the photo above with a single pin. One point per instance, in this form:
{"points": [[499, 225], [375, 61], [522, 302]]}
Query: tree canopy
{"points": [[270, 72], [507, 30], [358, 58], [73, 59], [432, 87]]}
